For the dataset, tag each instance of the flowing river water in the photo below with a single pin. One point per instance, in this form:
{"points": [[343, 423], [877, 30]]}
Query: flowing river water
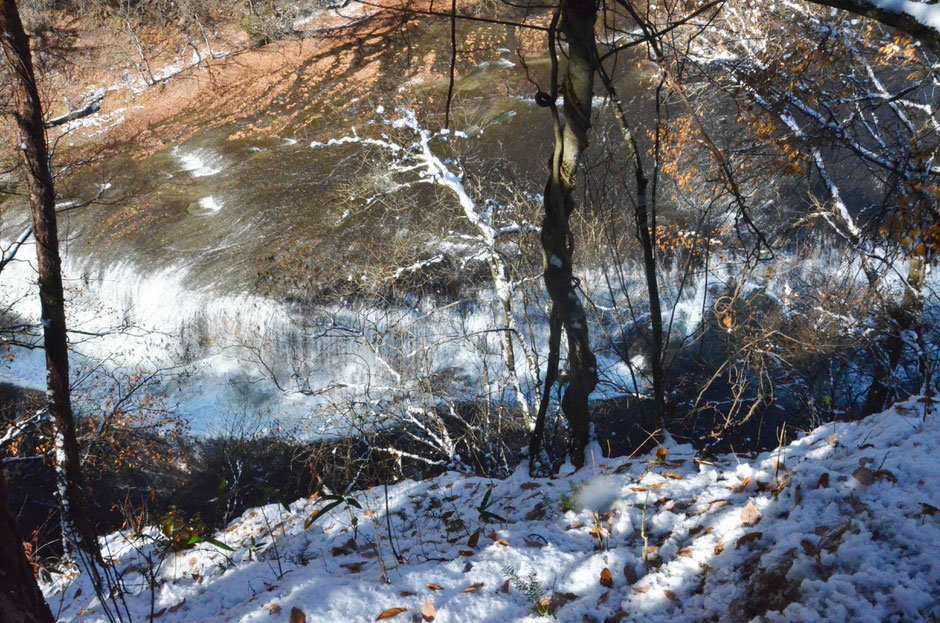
{"points": [[235, 265]]}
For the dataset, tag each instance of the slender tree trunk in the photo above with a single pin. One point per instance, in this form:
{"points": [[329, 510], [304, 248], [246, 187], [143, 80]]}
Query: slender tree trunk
{"points": [[646, 232], [28, 115], [577, 25], [21, 601]]}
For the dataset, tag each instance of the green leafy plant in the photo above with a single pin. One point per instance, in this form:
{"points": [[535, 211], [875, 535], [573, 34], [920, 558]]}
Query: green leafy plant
{"points": [[487, 516], [569, 501], [181, 533], [332, 502]]}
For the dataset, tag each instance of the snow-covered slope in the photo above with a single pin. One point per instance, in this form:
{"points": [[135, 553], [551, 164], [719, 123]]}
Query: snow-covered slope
{"points": [[840, 525]]}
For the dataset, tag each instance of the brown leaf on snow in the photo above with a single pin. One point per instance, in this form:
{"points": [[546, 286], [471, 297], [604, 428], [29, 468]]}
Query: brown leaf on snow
{"points": [[749, 538], [297, 616], [671, 475], [607, 578], [927, 509], [616, 617], [661, 454], [503, 542], [823, 481], [750, 515], [474, 539], [719, 548], [798, 495], [574, 525], [833, 438], [391, 613], [629, 574], [685, 552], [475, 587], [603, 598], [435, 587], [354, 567], [274, 609], [428, 612], [536, 513], [526, 486], [883, 473], [671, 595], [744, 483], [864, 476], [345, 549]]}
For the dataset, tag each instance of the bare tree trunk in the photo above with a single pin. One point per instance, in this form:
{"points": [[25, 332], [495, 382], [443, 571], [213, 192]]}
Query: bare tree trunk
{"points": [[577, 26], [28, 115], [646, 232], [21, 601]]}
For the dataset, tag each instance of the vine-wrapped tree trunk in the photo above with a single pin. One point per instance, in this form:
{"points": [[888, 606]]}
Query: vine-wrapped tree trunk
{"points": [[21, 601], [577, 26], [27, 112]]}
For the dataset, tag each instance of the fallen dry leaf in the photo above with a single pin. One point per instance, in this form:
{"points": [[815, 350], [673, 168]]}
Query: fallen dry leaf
{"points": [[274, 609], [661, 454], [749, 538], [435, 587], [475, 587], [671, 595], [685, 552], [607, 578], [823, 481], [503, 542], [749, 514], [629, 574], [671, 475], [864, 476], [741, 486], [474, 539], [391, 613], [297, 616], [428, 612]]}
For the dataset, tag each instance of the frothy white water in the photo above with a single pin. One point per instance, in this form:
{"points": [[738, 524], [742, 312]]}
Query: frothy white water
{"points": [[199, 162], [211, 204], [228, 354]]}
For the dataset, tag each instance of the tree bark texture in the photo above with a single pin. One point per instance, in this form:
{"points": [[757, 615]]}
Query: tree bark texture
{"points": [[577, 26], [27, 112], [21, 601]]}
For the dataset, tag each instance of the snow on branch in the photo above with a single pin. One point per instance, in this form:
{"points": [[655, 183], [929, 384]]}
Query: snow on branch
{"points": [[917, 19]]}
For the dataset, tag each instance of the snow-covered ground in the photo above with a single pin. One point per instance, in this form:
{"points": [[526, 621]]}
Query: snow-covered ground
{"points": [[840, 525]]}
